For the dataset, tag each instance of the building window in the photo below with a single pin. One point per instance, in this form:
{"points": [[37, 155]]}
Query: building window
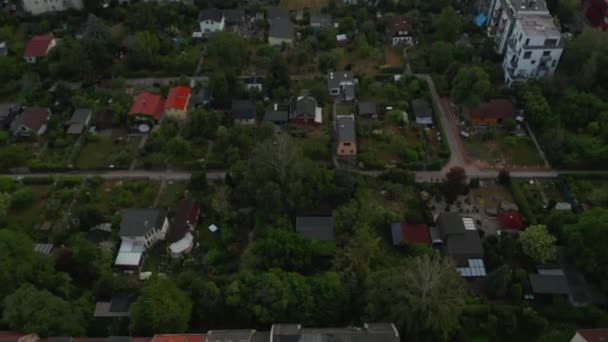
{"points": [[550, 42], [546, 53], [533, 62], [553, 63], [528, 41], [527, 54]]}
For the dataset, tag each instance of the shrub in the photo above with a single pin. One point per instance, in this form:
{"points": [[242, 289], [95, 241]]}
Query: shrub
{"points": [[37, 180]]}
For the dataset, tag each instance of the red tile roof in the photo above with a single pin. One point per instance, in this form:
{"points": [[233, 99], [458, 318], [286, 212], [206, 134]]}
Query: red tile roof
{"points": [[38, 46], [416, 233], [510, 220], [34, 117], [180, 338], [178, 98], [148, 104], [594, 335], [496, 109]]}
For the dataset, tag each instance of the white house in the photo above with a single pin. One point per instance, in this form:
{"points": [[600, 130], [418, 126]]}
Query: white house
{"points": [[533, 50], [211, 20], [503, 14], [139, 230], [37, 7]]}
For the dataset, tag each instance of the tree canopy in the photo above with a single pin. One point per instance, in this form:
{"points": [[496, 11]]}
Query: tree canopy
{"points": [[538, 244], [470, 86]]}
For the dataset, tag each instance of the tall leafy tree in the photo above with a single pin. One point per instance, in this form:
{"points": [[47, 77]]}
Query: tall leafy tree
{"points": [[448, 24], [31, 310], [160, 307], [425, 295], [538, 243], [470, 86]]}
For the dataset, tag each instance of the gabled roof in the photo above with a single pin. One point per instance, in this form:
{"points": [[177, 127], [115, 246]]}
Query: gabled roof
{"points": [[412, 233], [305, 105], [137, 222], [554, 284], [80, 116], [241, 335], [148, 104], [320, 19], [422, 109], [315, 227], [335, 79], [211, 14], [243, 109], [346, 129], [450, 224], [33, 118], [38, 46], [495, 109], [277, 12], [594, 335], [276, 116], [178, 98], [510, 220], [186, 215], [367, 107], [281, 28], [179, 338], [398, 24]]}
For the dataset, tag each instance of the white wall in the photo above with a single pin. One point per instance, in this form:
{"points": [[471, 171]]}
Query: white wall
{"points": [[209, 26], [36, 7]]}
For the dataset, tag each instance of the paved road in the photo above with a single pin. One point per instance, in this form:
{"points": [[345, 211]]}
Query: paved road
{"points": [[125, 174]]}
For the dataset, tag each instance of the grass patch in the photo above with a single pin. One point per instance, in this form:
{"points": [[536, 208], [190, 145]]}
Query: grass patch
{"points": [[100, 151], [503, 149], [172, 192]]}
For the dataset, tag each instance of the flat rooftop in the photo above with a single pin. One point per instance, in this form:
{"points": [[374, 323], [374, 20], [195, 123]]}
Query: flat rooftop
{"points": [[529, 5], [536, 25]]}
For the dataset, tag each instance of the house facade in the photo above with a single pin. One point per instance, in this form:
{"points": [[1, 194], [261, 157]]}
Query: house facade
{"points": [[211, 20], [503, 14], [37, 7], [39, 47], [140, 229], [399, 31], [534, 49], [347, 136]]}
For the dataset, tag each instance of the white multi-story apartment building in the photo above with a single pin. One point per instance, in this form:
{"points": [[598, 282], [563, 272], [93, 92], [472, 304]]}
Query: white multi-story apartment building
{"points": [[533, 50], [503, 14], [37, 7]]}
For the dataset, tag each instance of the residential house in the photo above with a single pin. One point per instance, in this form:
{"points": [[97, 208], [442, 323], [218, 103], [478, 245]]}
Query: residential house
{"points": [[368, 109], [376, 332], [79, 121], [341, 84], [305, 110], [410, 233], [254, 83], [184, 222], [243, 112], [533, 50], [238, 335], [597, 13], [177, 102], [590, 335], [116, 307], [495, 111], [140, 229], [44, 248], [422, 112], [39, 47], [549, 283], [462, 243], [510, 221], [147, 107], [321, 21], [347, 136], [179, 338], [211, 20], [277, 117], [8, 113], [3, 48], [32, 121], [399, 31], [281, 31], [12, 336], [37, 7], [315, 227], [202, 98], [235, 16]]}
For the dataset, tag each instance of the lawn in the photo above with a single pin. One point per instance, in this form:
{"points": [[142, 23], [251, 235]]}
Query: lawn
{"points": [[100, 152], [593, 190], [491, 194], [504, 149], [171, 193]]}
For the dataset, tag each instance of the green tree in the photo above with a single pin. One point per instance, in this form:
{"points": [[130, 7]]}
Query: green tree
{"points": [[455, 184], [470, 86], [23, 198], [441, 55], [5, 204], [160, 307], [70, 61], [146, 49], [96, 30], [277, 77], [357, 258], [33, 310], [538, 244], [228, 51], [284, 249], [425, 295], [447, 25], [206, 300], [203, 124]]}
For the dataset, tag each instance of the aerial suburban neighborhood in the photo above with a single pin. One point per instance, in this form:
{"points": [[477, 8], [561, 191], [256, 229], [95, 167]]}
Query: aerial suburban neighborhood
{"points": [[303, 170]]}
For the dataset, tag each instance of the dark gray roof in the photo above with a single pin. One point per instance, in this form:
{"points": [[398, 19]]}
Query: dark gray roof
{"points": [[367, 107], [277, 12], [276, 116], [421, 108], [346, 129], [549, 284], [465, 245], [137, 222], [121, 303], [315, 228], [305, 105], [320, 19], [211, 14], [450, 224], [375, 332], [281, 28], [335, 79], [80, 116], [243, 109], [7, 108], [260, 336], [242, 335], [59, 339]]}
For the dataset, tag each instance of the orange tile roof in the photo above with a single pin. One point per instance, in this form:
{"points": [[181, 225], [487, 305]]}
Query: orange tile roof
{"points": [[180, 338], [148, 104], [178, 98]]}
